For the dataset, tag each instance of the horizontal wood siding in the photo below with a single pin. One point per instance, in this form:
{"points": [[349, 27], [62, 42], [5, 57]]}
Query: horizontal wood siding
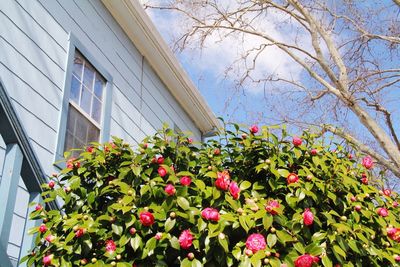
{"points": [[34, 43]]}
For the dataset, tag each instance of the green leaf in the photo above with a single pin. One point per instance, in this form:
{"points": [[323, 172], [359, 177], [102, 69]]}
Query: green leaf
{"points": [[283, 172], [224, 244], [117, 229], [136, 242], [271, 240], [299, 247], [267, 221], [284, 237], [183, 203], [169, 224], [326, 261], [339, 251], [244, 185]]}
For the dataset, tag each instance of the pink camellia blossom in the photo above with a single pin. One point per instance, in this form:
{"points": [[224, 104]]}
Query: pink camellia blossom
{"points": [[71, 164], [272, 207], [42, 228], [89, 149], [353, 198], [364, 180], [110, 246], [350, 156], [395, 204], [185, 239], [160, 160], [255, 242], [297, 141], [313, 152], [397, 258], [308, 217], [51, 184], [170, 189], [158, 236], [292, 178], [367, 162], [305, 260], [50, 238], [80, 232], [217, 151], [234, 190], [393, 233], [254, 129], [38, 207], [387, 192], [185, 180], [146, 218], [47, 259], [190, 140], [223, 180], [162, 171], [382, 212], [210, 214]]}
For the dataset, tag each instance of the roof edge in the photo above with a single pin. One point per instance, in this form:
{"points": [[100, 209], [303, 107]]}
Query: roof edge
{"points": [[131, 16]]}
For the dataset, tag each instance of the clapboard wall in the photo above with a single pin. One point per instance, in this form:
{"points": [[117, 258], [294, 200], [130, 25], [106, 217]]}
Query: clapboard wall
{"points": [[34, 46]]}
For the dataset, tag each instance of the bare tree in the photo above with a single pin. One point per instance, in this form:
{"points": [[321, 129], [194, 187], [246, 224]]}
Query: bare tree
{"points": [[347, 49]]}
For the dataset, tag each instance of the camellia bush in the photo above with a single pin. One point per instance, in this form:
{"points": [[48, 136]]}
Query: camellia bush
{"points": [[246, 198]]}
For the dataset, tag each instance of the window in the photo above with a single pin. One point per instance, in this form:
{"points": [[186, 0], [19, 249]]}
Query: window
{"points": [[85, 114], [85, 104]]}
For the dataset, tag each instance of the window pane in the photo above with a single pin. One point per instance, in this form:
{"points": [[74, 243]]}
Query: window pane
{"points": [[88, 76], [69, 141], [86, 99], [93, 134], [78, 65], [98, 86], [75, 89], [96, 110], [81, 129]]}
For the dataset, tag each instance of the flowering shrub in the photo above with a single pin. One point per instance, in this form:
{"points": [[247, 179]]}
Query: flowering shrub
{"points": [[249, 199]]}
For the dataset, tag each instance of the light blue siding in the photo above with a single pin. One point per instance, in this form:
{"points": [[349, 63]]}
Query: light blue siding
{"points": [[2, 155], [34, 44]]}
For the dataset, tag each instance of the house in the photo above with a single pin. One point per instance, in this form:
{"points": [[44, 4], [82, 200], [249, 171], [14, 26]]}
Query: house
{"points": [[72, 72]]}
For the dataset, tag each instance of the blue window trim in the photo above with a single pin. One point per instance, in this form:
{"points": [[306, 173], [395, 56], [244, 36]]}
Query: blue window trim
{"points": [[75, 44]]}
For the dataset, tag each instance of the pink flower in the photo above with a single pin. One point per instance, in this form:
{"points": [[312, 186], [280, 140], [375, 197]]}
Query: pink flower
{"points": [[50, 238], [170, 189], [223, 180], [255, 242], [71, 164], [297, 141], [185, 239], [146, 218], [395, 204], [158, 236], [292, 178], [350, 156], [382, 212], [387, 192], [38, 207], [185, 180], [367, 162], [51, 184], [80, 232], [364, 180], [397, 258], [357, 207], [190, 140], [305, 260], [162, 172], [160, 160], [234, 189], [393, 233], [272, 207], [110, 246], [308, 217], [217, 151], [254, 129], [210, 214], [313, 151], [42, 228], [47, 259], [89, 149]]}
